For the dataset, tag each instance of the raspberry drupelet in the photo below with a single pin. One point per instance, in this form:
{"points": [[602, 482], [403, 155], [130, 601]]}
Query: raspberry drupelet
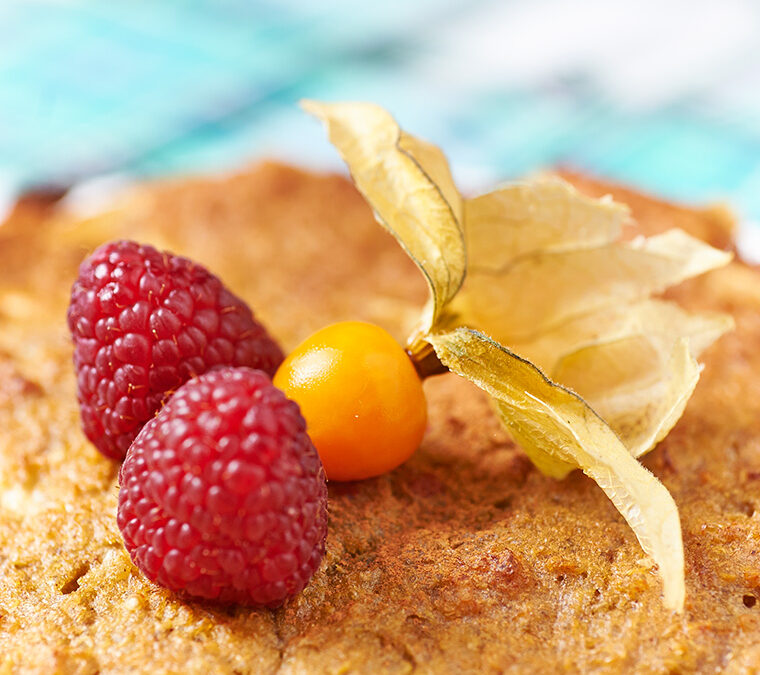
{"points": [[143, 323], [222, 495]]}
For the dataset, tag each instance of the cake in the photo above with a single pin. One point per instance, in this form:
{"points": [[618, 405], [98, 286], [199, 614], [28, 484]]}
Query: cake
{"points": [[465, 559]]}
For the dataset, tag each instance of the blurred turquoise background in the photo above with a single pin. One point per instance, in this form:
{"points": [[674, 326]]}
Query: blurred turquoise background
{"points": [[663, 94]]}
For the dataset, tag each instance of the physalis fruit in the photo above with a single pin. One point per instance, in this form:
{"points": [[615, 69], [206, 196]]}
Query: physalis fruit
{"points": [[536, 298]]}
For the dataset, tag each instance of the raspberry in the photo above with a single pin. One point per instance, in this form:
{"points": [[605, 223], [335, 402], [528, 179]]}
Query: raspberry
{"points": [[222, 495], [144, 323]]}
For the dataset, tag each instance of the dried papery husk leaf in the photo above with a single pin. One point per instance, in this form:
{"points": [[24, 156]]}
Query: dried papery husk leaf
{"points": [[538, 215], [542, 290], [661, 320], [638, 391], [635, 365], [408, 184], [552, 422], [640, 384]]}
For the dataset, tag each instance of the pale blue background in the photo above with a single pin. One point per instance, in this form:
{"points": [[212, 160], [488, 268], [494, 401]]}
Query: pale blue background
{"points": [[664, 94]]}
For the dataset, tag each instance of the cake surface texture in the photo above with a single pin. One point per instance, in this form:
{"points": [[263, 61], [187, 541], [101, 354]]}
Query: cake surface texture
{"points": [[465, 559]]}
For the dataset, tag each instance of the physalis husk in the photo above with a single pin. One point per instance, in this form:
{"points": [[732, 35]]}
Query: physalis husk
{"points": [[536, 299]]}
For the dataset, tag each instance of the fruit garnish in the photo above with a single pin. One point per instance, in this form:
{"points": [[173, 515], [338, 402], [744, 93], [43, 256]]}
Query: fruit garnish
{"points": [[535, 298], [222, 494], [361, 397], [143, 323]]}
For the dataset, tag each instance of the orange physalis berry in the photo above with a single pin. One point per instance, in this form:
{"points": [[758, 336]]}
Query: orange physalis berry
{"points": [[361, 396]]}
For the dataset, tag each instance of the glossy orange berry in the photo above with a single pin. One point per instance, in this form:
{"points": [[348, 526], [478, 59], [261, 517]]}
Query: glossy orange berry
{"points": [[362, 399]]}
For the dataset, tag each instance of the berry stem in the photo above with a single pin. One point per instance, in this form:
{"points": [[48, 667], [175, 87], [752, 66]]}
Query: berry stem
{"points": [[425, 360]]}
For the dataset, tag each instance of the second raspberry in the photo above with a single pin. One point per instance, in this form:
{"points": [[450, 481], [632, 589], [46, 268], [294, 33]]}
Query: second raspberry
{"points": [[145, 322]]}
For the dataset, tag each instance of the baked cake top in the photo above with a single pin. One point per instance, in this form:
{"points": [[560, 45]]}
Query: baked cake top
{"points": [[465, 558]]}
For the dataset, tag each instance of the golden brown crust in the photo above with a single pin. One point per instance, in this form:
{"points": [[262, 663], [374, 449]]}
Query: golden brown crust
{"points": [[463, 560]]}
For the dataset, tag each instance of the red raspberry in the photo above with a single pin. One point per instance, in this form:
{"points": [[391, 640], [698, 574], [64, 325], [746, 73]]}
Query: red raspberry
{"points": [[222, 495], [144, 323]]}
